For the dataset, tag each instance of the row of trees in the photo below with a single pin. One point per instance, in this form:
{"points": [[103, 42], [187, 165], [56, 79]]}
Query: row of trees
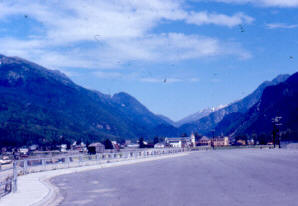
{"points": [[265, 138]]}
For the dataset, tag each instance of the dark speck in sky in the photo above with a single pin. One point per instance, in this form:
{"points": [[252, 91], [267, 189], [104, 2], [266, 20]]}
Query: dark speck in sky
{"points": [[241, 28]]}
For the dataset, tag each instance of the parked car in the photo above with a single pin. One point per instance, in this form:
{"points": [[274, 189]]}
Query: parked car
{"points": [[5, 160]]}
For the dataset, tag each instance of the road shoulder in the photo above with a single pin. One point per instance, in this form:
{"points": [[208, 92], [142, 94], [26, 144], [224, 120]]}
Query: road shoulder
{"points": [[36, 190]]}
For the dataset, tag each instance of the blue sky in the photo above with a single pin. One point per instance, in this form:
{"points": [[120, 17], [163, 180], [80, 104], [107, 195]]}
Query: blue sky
{"points": [[176, 57]]}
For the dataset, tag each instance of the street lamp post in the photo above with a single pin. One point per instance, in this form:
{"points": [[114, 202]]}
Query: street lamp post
{"points": [[275, 132], [212, 142]]}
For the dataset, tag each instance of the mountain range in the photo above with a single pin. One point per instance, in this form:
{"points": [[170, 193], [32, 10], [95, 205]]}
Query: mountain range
{"points": [[41, 106], [44, 106], [280, 100], [198, 115], [208, 123]]}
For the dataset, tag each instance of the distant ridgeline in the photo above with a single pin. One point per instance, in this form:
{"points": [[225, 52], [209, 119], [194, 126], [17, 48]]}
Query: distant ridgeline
{"points": [[45, 107], [40, 106], [252, 116]]}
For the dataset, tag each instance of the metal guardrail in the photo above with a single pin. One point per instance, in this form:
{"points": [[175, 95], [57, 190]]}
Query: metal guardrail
{"points": [[60, 162], [8, 176], [27, 166], [202, 148], [6, 181], [5, 186]]}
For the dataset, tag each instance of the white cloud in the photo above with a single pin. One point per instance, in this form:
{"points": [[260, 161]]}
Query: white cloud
{"points": [[37, 51], [174, 80], [194, 79], [169, 80], [200, 18], [107, 34], [162, 80], [215, 80], [108, 75], [281, 26], [269, 3], [72, 74], [151, 80], [136, 76], [278, 3]]}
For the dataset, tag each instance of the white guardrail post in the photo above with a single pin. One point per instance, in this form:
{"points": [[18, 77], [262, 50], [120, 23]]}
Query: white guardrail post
{"points": [[14, 177], [67, 160], [43, 163], [80, 160], [97, 158], [25, 166]]}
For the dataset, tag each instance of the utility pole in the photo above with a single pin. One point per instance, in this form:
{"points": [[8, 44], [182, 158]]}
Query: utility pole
{"points": [[275, 131], [212, 142]]}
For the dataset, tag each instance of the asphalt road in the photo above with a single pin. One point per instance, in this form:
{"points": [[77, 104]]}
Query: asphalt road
{"points": [[215, 178]]}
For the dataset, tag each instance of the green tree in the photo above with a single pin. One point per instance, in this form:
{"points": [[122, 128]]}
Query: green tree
{"points": [[155, 140], [263, 139], [108, 144], [141, 142]]}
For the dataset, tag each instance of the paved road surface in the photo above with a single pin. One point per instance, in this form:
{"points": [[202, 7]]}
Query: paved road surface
{"points": [[215, 178]]}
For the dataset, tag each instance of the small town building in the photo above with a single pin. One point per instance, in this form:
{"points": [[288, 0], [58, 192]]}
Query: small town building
{"points": [[63, 148], [179, 142], [204, 141], [127, 142], [226, 141], [116, 146], [241, 142], [79, 147], [193, 140], [3, 150], [133, 146], [159, 145], [220, 142], [96, 147], [33, 147], [24, 150], [250, 142]]}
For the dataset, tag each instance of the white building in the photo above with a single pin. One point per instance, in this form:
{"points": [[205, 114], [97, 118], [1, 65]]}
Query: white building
{"points": [[133, 145], [63, 148], [177, 141], [159, 145], [24, 150]]}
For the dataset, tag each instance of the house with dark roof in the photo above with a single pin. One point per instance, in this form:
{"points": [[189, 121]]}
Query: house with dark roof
{"points": [[96, 147]]}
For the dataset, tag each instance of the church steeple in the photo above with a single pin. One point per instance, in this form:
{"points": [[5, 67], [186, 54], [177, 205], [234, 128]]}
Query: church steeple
{"points": [[193, 139]]}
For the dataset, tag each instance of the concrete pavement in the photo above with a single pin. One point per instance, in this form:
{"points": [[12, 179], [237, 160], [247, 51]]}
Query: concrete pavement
{"points": [[247, 177], [36, 190]]}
